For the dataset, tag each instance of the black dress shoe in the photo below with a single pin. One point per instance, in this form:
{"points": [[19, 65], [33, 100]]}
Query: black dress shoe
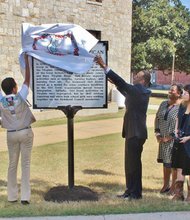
{"points": [[165, 190], [25, 202], [13, 201], [125, 194]]}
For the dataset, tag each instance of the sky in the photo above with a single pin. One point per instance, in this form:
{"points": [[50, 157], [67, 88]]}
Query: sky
{"points": [[186, 3]]}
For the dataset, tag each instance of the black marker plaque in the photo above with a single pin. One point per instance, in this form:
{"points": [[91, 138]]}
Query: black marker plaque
{"points": [[53, 87]]}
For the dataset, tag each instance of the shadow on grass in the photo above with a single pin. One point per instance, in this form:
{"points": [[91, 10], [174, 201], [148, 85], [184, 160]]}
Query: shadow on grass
{"points": [[34, 183], [38, 182], [114, 187], [155, 180], [147, 190], [97, 172], [152, 178], [3, 183], [39, 186]]}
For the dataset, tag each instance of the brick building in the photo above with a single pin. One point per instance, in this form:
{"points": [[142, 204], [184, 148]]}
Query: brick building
{"points": [[161, 79], [108, 20]]}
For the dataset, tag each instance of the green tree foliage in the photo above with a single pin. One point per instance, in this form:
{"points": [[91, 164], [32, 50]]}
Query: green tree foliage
{"points": [[161, 30]]}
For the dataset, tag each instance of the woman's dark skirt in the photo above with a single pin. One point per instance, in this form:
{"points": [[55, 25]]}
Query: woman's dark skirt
{"points": [[180, 158]]}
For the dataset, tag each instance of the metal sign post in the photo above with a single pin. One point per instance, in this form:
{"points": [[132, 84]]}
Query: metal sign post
{"points": [[70, 112]]}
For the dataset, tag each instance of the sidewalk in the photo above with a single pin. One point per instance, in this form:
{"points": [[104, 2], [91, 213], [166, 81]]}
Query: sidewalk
{"points": [[138, 216]]}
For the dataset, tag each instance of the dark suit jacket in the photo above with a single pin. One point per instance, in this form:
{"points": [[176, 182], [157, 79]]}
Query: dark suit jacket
{"points": [[137, 98]]}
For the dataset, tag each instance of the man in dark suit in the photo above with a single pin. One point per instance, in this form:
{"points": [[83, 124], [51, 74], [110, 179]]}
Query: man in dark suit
{"points": [[134, 125]]}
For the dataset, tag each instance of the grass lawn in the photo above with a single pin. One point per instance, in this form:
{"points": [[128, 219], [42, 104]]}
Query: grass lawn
{"points": [[99, 166], [159, 91], [155, 100]]}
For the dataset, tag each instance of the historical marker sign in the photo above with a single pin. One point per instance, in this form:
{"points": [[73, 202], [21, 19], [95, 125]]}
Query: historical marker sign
{"points": [[53, 87]]}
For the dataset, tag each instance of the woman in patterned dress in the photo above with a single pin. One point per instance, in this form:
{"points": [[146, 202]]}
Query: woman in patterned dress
{"points": [[164, 128]]}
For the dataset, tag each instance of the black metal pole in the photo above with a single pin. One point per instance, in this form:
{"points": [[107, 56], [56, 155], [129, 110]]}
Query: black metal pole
{"points": [[70, 113], [70, 131]]}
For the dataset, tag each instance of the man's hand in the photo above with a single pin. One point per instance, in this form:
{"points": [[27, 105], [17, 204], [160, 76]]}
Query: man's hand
{"points": [[98, 59]]}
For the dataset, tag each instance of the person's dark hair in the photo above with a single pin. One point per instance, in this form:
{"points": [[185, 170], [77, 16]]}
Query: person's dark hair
{"points": [[147, 78], [7, 85], [179, 88], [187, 88]]}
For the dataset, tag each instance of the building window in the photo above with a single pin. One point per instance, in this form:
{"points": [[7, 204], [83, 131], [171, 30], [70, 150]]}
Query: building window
{"points": [[96, 2], [96, 34]]}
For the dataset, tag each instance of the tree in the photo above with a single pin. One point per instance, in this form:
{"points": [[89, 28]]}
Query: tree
{"points": [[160, 31]]}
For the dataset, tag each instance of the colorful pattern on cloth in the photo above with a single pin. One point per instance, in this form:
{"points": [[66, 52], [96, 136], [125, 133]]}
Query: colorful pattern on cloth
{"points": [[60, 45], [66, 46], [9, 103]]}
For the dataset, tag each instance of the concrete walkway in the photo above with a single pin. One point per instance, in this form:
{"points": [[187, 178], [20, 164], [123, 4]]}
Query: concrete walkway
{"points": [[139, 216]]}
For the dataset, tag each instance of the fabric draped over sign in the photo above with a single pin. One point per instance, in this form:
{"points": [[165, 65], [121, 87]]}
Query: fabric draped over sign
{"points": [[65, 46]]}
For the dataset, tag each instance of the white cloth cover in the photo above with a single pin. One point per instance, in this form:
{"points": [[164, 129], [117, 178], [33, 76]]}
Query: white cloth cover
{"points": [[65, 46]]}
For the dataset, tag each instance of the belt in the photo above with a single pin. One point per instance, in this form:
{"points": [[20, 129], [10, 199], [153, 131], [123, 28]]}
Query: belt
{"points": [[19, 129]]}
